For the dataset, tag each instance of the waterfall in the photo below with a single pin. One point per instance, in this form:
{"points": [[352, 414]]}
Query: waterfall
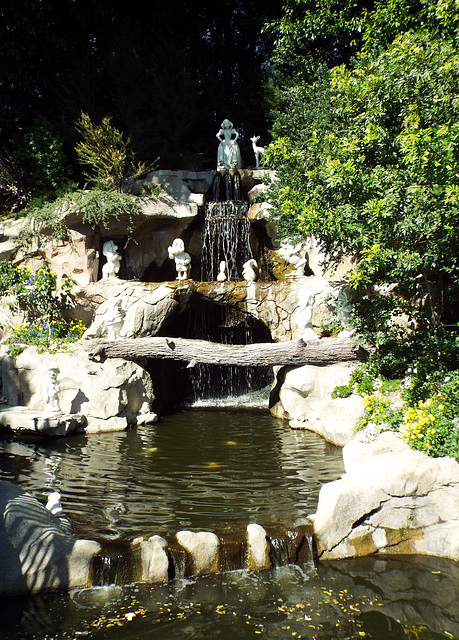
{"points": [[110, 568], [286, 546], [225, 325], [225, 238]]}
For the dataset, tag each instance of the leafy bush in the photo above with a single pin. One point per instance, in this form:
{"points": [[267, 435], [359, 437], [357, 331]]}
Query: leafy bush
{"points": [[429, 423], [37, 293], [105, 150], [366, 162], [41, 150], [95, 206]]}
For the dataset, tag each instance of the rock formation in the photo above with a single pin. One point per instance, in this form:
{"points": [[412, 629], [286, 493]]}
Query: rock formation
{"points": [[36, 553], [391, 499], [108, 394]]}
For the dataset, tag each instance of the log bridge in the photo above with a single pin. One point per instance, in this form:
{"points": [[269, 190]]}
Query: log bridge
{"points": [[267, 354]]}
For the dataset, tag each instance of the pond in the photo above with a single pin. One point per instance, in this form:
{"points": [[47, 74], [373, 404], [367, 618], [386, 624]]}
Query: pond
{"points": [[205, 469]]}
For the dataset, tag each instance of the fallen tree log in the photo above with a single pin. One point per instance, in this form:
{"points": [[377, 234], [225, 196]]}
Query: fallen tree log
{"points": [[317, 352]]}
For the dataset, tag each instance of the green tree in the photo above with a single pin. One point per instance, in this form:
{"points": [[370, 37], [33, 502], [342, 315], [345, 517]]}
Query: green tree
{"points": [[376, 175], [105, 150]]}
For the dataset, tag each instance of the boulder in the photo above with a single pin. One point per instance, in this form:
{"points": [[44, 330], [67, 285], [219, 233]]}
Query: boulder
{"points": [[108, 394], [391, 499], [202, 547], [303, 395], [148, 305], [154, 559], [36, 554], [22, 419], [145, 307], [258, 548]]}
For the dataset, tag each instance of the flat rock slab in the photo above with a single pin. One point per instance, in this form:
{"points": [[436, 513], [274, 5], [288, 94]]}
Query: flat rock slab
{"points": [[24, 420]]}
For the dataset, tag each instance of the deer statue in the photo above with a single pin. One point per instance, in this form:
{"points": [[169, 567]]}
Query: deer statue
{"points": [[258, 151]]}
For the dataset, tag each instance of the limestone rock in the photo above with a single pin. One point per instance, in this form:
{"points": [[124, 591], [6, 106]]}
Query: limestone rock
{"points": [[9, 232], [303, 394], [257, 548], [183, 186], [22, 419], [203, 549], [147, 306], [109, 394], [391, 499], [35, 553], [154, 559]]}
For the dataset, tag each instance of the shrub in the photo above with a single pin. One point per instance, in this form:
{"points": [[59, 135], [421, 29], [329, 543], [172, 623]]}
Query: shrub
{"points": [[424, 411]]}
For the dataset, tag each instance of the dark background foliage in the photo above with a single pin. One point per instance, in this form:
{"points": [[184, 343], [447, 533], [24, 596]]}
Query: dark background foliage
{"points": [[167, 72]]}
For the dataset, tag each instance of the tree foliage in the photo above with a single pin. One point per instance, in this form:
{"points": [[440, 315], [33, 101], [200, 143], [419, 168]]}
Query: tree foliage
{"points": [[367, 161], [105, 150], [167, 73]]}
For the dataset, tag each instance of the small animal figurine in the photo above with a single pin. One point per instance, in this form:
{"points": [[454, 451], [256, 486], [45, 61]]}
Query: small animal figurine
{"points": [[222, 273], [182, 259], [258, 151], [250, 270]]}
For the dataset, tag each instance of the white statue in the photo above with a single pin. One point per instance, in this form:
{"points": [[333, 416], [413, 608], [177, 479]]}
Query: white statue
{"points": [[250, 270], [112, 266], [229, 154], [343, 312], [113, 318], [50, 391], [294, 258], [54, 503], [145, 415], [258, 151], [182, 259], [304, 317], [222, 273]]}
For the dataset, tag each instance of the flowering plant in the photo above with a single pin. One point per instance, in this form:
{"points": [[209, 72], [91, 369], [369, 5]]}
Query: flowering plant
{"points": [[424, 412], [52, 337]]}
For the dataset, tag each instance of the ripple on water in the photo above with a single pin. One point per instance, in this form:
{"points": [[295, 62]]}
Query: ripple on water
{"points": [[199, 469]]}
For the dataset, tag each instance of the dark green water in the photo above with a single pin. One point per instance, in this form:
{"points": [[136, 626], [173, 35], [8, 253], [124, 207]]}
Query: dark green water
{"points": [[204, 470], [198, 469]]}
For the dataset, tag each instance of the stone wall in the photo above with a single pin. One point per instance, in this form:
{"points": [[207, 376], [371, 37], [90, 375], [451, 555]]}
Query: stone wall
{"points": [[279, 305]]}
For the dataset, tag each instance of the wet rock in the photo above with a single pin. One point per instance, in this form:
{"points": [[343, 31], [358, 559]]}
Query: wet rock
{"points": [[257, 548], [203, 549], [154, 559]]}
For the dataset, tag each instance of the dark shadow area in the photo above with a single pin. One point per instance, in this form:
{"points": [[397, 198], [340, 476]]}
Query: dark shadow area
{"points": [[33, 549], [178, 383]]}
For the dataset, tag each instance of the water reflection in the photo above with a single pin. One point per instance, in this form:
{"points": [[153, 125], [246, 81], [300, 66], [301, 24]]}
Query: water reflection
{"points": [[373, 598], [195, 469]]}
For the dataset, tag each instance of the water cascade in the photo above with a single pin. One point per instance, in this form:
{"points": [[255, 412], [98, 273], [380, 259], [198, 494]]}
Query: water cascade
{"points": [[224, 325], [285, 545], [225, 238]]}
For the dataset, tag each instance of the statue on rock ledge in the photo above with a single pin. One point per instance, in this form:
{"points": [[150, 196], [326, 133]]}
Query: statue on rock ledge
{"points": [[50, 390], [113, 318], [222, 272], [229, 154], [112, 266], [250, 270], [182, 259]]}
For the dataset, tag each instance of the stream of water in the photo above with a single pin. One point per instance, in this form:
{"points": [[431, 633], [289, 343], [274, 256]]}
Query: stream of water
{"points": [[205, 469]]}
